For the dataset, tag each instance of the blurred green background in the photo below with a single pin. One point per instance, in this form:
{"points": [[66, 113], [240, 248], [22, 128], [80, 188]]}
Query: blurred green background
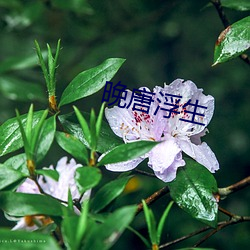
{"points": [[161, 41]]}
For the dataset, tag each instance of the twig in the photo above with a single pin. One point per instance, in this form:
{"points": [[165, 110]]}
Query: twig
{"points": [[152, 198], [223, 192], [235, 220], [226, 23], [204, 229], [144, 173], [224, 211]]}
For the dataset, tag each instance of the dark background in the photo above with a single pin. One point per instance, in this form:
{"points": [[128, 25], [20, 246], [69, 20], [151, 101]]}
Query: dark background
{"points": [[161, 41]]}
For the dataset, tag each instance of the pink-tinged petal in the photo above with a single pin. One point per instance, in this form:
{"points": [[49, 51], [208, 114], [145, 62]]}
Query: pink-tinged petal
{"points": [[59, 189], [188, 91], [165, 158], [124, 166], [201, 153], [196, 139], [29, 187]]}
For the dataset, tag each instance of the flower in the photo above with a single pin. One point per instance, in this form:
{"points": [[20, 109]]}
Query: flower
{"points": [[174, 128], [58, 189]]}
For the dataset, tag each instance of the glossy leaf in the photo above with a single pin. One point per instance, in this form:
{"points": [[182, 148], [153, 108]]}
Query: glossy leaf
{"points": [[73, 146], [46, 137], [87, 177], [107, 138], [84, 125], [108, 193], [241, 5], [53, 174], [127, 152], [20, 204], [18, 162], [105, 235], [16, 240], [8, 176], [19, 90], [193, 191], [10, 136], [90, 81], [233, 41]]}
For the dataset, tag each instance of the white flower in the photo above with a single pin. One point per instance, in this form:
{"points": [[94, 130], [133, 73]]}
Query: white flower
{"points": [[179, 129], [58, 189]]}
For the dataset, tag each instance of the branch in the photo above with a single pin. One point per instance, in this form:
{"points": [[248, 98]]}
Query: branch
{"points": [[226, 23], [223, 192], [152, 198], [235, 220]]}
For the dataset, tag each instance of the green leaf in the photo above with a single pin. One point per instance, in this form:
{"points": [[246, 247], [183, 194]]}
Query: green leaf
{"points": [[18, 162], [46, 138], [127, 152], [20, 204], [16, 240], [19, 90], [8, 176], [151, 223], [10, 136], [193, 191], [74, 228], [99, 121], [53, 174], [108, 193], [241, 5], [82, 223], [162, 221], [233, 41], [69, 230], [90, 81], [84, 125], [107, 139], [105, 235], [73, 146], [87, 177], [92, 128]]}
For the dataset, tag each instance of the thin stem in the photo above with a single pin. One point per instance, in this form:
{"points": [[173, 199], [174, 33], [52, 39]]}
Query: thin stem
{"points": [[152, 198], [226, 23], [42, 192], [223, 192], [204, 229], [144, 173]]}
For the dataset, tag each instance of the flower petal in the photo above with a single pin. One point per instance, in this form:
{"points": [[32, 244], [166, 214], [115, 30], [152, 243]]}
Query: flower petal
{"points": [[201, 153], [188, 91], [126, 165], [65, 182], [29, 187], [165, 158]]}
